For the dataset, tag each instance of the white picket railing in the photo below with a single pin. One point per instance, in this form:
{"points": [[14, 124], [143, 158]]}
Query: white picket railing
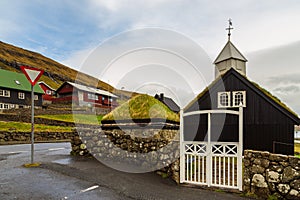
{"points": [[212, 163]]}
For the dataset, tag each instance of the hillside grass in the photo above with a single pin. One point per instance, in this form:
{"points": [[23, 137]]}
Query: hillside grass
{"points": [[77, 118], [11, 56], [142, 107], [26, 127]]}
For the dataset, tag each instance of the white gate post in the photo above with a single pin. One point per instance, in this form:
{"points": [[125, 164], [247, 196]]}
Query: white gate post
{"points": [[182, 153], [209, 152], [240, 151]]}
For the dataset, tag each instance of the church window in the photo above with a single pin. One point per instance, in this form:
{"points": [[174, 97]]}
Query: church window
{"points": [[239, 98], [223, 99]]}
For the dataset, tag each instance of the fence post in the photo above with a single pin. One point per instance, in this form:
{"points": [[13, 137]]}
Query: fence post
{"points": [[240, 151], [209, 152], [181, 146]]}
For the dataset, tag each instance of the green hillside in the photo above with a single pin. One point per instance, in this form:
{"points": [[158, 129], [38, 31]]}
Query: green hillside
{"points": [[12, 57]]}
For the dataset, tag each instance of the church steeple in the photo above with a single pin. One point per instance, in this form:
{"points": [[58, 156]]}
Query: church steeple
{"points": [[230, 57]]}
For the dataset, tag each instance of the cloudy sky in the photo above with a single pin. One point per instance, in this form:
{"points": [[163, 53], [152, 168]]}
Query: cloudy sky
{"points": [[266, 32]]}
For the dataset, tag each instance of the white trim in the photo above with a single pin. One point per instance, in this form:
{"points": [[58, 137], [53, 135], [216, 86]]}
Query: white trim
{"points": [[21, 95], [92, 90], [211, 111], [92, 96], [220, 104], [182, 154], [234, 98], [218, 156], [42, 82], [4, 93]]}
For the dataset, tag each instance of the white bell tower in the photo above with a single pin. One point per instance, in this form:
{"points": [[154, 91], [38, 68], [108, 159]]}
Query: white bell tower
{"points": [[230, 57]]}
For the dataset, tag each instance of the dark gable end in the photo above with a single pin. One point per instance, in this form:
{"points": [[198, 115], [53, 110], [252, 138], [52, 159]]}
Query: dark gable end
{"points": [[267, 121], [202, 97]]}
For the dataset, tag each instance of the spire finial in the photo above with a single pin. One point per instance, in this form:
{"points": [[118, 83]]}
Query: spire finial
{"points": [[229, 28]]}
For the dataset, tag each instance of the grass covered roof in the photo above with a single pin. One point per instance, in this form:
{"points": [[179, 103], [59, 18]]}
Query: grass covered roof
{"points": [[142, 106]]}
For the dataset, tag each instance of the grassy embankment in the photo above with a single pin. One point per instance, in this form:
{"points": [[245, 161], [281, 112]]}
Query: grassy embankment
{"points": [[26, 127], [297, 150], [78, 118]]}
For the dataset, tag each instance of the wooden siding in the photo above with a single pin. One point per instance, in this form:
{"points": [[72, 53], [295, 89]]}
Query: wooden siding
{"points": [[264, 123], [14, 98]]}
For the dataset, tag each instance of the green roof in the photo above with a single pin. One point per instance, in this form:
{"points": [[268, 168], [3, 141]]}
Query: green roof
{"points": [[142, 107], [17, 81]]}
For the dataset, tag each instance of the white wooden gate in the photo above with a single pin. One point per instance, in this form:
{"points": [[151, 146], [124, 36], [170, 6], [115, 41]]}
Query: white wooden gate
{"points": [[212, 163]]}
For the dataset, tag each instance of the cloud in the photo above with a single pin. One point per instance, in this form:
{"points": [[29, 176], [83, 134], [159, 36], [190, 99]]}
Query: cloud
{"points": [[68, 30], [291, 89]]}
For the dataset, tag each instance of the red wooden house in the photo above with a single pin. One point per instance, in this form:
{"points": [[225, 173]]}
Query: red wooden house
{"points": [[85, 95], [49, 92]]}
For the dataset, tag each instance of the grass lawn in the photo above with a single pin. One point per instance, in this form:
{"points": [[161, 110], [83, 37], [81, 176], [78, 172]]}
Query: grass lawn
{"points": [[26, 127], [297, 150], [78, 118]]}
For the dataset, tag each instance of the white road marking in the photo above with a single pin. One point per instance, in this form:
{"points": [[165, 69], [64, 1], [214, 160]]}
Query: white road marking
{"points": [[12, 152], [89, 189], [83, 191], [55, 149]]}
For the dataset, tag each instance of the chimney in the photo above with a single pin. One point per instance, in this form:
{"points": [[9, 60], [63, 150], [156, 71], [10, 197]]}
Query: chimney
{"points": [[161, 96]]}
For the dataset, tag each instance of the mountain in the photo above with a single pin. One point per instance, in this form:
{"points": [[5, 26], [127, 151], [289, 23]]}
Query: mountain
{"points": [[12, 57]]}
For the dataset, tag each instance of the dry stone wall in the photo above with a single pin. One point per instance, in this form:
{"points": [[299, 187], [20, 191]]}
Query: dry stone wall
{"points": [[267, 174], [143, 149]]}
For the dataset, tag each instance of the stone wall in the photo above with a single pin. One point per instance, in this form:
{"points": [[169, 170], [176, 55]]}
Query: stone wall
{"points": [[267, 174], [140, 149], [25, 137]]}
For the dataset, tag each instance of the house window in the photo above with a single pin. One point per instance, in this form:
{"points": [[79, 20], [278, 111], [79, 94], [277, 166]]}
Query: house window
{"points": [[239, 98], [103, 98], [36, 97], [21, 95], [92, 96], [5, 106], [223, 99], [48, 92], [4, 93]]}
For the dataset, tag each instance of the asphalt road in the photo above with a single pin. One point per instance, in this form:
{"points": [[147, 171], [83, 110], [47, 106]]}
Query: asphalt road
{"points": [[18, 182], [62, 176]]}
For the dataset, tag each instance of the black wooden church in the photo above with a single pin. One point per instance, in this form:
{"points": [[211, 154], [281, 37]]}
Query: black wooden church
{"points": [[268, 124]]}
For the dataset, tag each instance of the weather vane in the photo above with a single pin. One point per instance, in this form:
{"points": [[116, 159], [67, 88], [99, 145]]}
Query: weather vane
{"points": [[229, 28]]}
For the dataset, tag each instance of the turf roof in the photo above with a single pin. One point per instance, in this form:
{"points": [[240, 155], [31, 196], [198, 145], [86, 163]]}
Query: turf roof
{"points": [[142, 106]]}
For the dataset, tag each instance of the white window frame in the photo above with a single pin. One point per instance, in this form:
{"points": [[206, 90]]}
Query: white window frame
{"points": [[5, 106], [48, 92], [220, 104], [234, 96], [4, 93], [36, 97], [21, 95], [92, 96]]}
